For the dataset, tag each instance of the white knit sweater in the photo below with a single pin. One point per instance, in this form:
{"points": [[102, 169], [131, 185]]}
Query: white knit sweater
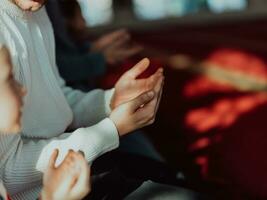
{"points": [[3, 193], [50, 107]]}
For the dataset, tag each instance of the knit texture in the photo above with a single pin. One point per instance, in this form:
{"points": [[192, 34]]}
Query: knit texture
{"points": [[50, 107]]}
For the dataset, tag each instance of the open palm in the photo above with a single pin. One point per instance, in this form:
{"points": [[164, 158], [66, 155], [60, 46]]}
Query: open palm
{"points": [[129, 87]]}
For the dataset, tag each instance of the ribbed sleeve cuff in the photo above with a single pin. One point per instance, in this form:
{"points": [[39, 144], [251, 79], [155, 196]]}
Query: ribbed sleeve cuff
{"points": [[105, 139], [107, 98], [93, 141]]}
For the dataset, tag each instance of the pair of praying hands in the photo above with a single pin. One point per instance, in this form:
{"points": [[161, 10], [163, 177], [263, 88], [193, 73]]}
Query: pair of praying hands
{"points": [[135, 101]]}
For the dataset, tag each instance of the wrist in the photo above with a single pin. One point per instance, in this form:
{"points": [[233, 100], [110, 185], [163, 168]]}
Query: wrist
{"points": [[115, 101]]}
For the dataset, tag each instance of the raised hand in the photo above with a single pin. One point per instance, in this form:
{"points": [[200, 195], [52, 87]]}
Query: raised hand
{"points": [[129, 87], [69, 181], [138, 112], [116, 46], [108, 39]]}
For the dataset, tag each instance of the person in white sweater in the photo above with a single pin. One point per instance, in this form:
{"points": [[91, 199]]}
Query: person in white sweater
{"points": [[70, 180], [51, 109]]}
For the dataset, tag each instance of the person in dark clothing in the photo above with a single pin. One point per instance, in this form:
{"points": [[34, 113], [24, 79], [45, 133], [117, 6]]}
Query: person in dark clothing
{"points": [[78, 59]]}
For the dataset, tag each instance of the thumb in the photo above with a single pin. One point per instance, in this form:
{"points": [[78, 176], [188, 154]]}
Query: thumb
{"points": [[142, 100], [53, 159]]}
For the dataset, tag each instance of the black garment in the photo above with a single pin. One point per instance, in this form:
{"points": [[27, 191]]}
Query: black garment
{"points": [[117, 174], [75, 62]]}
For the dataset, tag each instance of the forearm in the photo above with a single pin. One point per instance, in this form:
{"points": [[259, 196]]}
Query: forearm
{"points": [[24, 166], [92, 141], [88, 108]]}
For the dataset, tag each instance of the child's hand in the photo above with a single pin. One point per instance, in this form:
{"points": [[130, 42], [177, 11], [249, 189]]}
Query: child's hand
{"points": [[69, 181], [138, 112], [129, 87]]}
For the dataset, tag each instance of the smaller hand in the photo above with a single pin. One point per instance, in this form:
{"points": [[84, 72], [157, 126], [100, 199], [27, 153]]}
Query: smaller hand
{"points": [[108, 39], [69, 181], [116, 47], [138, 112], [129, 87]]}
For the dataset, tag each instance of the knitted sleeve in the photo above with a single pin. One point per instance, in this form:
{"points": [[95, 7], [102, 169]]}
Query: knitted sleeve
{"points": [[24, 159], [88, 108]]}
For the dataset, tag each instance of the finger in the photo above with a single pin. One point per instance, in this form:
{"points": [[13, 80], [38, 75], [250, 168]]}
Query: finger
{"points": [[82, 186], [146, 114], [141, 100], [68, 160], [77, 158], [73, 161], [114, 36], [152, 80], [139, 68], [149, 83], [156, 74], [158, 85], [149, 110], [66, 182], [118, 34], [72, 169], [131, 51], [84, 167], [81, 152], [53, 159], [84, 178], [159, 98], [121, 42]]}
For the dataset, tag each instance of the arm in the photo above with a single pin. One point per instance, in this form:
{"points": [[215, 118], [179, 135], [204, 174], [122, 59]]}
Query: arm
{"points": [[23, 160], [88, 108]]}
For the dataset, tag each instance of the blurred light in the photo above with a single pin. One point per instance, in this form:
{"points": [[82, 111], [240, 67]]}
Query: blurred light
{"points": [[157, 9], [97, 12], [219, 6], [150, 9]]}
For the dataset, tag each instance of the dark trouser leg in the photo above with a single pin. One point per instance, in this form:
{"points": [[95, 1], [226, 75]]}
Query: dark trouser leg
{"points": [[118, 174]]}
